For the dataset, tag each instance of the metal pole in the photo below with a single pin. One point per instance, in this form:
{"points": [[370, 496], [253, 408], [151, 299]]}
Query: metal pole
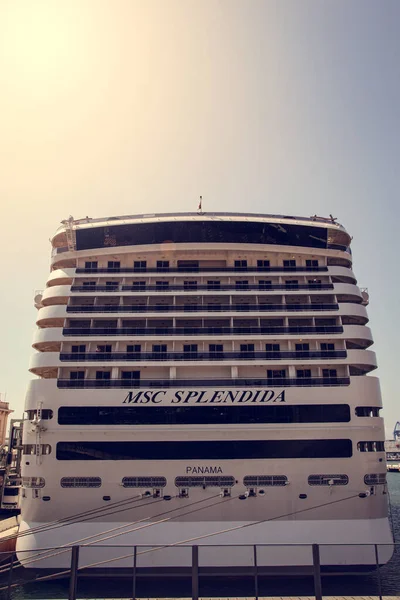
{"points": [[255, 573], [10, 576], [317, 572], [73, 582], [378, 571], [134, 573], [195, 573]]}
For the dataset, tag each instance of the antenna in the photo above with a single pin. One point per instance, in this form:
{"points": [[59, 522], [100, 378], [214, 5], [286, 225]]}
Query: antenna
{"points": [[199, 208]]}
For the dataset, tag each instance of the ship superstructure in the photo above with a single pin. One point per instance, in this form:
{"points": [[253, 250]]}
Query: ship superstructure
{"points": [[213, 366]]}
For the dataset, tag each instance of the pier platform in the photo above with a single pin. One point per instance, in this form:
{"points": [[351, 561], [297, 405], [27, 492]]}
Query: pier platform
{"points": [[265, 598]]}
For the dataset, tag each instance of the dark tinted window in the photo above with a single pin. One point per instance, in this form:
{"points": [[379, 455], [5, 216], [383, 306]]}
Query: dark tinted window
{"points": [[207, 450], [182, 415], [202, 231]]}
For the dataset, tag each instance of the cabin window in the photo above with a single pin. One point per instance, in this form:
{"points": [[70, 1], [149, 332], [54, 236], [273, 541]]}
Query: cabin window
{"points": [[289, 264], [302, 347], [133, 348], [213, 284], [103, 375], [329, 373], [247, 350], [276, 374], [263, 264], [240, 264], [139, 265], [303, 373], [78, 349], [326, 347], [162, 265], [73, 375], [292, 284], [190, 348], [113, 265]]}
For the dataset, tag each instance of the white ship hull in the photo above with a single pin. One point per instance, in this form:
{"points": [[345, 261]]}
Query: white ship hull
{"points": [[343, 544], [225, 407]]}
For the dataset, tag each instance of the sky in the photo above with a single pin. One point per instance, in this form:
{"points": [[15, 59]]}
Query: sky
{"points": [[112, 107]]}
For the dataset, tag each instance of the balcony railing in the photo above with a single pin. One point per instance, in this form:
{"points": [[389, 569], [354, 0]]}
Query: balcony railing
{"points": [[201, 383], [202, 287], [135, 331], [248, 269], [190, 356], [144, 308]]}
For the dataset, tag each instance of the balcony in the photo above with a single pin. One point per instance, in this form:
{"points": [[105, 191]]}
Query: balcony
{"points": [[186, 269], [202, 287], [135, 308], [200, 356], [135, 331], [202, 383]]}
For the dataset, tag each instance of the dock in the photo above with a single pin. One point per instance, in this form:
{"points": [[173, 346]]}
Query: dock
{"points": [[393, 467], [264, 598]]}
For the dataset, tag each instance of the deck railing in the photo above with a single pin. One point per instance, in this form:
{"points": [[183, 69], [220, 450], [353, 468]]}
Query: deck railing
{"points": [[132, 382], [200, 356], [122, 568]]}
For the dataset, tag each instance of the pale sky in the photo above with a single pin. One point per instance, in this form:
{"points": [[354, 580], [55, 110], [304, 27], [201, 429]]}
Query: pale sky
{"points": [[112, 107]]}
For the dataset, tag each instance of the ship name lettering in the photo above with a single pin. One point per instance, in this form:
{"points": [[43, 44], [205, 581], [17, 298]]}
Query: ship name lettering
{"points": [[202, 470], [205, 396], [144, 397]]}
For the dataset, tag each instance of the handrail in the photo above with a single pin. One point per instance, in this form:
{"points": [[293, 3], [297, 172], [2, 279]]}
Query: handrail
{"points": [[202, 287], [189, 356], [200, 330], [141, 308], [173, 383], [232, 269]]}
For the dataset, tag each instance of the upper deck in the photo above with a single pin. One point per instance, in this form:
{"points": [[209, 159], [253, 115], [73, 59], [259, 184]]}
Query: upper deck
{"points": [[237, 228]]}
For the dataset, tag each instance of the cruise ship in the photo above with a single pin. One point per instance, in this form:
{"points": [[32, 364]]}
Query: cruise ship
{"points": [[203, 379]]}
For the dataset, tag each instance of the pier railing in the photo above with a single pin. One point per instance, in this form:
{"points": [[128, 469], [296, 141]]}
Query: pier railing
{"points": [[258, 569]]}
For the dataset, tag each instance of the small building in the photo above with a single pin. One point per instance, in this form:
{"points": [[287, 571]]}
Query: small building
{"points": [[4, 412]]}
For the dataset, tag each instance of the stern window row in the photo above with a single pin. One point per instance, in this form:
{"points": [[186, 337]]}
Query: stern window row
{"points": [[194, 265], [206, 481]]}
